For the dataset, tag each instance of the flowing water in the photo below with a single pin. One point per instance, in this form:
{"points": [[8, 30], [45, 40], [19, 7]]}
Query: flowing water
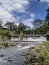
{"points": [[16, 55]]}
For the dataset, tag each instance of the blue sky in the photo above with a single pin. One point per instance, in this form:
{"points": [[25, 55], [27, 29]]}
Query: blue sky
{"points": [[25, 11]]}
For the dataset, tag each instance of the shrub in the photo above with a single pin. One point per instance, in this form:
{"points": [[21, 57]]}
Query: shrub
{"points": [[4, 32], [46, 43], [38, 56]]}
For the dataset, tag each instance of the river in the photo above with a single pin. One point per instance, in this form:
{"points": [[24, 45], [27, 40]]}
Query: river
{"points": [[15, 55]]}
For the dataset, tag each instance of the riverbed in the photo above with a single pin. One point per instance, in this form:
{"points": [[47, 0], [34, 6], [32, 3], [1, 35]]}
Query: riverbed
{"points": [[15, 55]]}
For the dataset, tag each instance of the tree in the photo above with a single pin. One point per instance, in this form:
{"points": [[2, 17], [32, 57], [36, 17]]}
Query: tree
{"points": [[47, 17], [0, 23], [10, 25], [22, 26], [37, 23], [15, 27]]}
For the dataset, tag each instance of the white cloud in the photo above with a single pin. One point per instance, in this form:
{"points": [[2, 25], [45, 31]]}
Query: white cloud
{"points": [[48, 4], [5, 15], [19, 6], [17, 24], [28, 22], [7, 6], [46, 1], [32, 15]]}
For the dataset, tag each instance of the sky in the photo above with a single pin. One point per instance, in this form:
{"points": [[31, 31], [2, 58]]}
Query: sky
{"points": [[25, 11]]}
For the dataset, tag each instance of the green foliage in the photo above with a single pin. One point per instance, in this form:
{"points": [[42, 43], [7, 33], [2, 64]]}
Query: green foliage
{"points": [[38, 56], [4, 32], [46, 43], [44, 28], [15, 27], [4, 38], [37, 23], [22, 27]]}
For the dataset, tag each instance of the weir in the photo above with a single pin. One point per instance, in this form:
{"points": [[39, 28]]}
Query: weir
{"points": [[29, 38]]}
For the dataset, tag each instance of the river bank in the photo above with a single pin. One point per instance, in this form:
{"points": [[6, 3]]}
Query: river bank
{"points": [[39, 55]]}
